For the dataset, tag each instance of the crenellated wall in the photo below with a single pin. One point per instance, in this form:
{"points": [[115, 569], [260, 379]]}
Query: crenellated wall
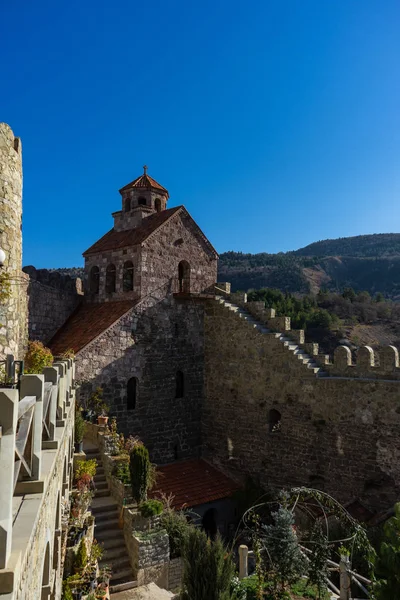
{"points": [[336, 428], [52, 297], [13, 309]]}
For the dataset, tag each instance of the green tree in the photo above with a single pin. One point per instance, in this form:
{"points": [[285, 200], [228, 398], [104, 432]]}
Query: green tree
{"points": [[388, 565], [349, 293], [286, 562], [140, 469], [318, 567], [208, 568], [81, 557]]}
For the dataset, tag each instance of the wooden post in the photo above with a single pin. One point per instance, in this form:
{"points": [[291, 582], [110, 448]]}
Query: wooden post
{"points": [[8, 423], [243, 561], [345, 581]]}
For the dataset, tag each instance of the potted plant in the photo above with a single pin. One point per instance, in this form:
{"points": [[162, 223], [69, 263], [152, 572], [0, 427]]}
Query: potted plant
{"points": [[102, 418], [79, 431], [104, 581]]}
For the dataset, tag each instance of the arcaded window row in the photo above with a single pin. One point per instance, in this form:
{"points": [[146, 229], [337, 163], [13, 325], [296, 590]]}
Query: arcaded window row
{"points": [[111, 276]]}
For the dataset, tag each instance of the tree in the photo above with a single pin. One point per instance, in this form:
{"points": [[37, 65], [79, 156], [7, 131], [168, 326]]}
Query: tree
{"points": [[318, 566], [286, 561], [208, 568], [387, 586], [349, 293]]}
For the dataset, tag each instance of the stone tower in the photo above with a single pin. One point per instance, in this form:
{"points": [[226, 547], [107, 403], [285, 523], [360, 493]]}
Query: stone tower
{"points": [[13, 309]]}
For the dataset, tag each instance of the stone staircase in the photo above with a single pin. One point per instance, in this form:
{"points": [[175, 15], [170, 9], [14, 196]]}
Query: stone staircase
{"points": [[107, 532], [288, 343]]}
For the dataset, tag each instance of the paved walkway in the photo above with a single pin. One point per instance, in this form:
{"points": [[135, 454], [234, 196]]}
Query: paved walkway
{"points": [[144, 592]]}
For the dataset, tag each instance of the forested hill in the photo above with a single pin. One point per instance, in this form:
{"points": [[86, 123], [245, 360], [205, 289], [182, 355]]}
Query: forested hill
{"points": [[366, 262], [376, 245]]}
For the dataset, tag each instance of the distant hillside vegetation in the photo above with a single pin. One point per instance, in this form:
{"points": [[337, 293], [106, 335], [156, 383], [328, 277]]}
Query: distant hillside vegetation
{"points": [[365, 262]]}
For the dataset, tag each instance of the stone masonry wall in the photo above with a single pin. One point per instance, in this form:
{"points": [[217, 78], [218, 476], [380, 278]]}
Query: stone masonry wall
{"points": [[338, 434], [52, 298], [152, 343], [13, 311]]}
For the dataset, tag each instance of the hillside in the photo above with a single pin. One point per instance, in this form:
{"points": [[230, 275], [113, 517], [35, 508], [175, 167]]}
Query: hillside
{"points": [[369, 262]]}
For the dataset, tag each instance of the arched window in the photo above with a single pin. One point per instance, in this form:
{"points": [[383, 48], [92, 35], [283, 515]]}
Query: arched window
{"points": [[142, 202], [131, 393], [274, 421], [110, 279], [127, 204], [179, 385], [157, 204], [184, 276], [94, 280], [128, 276]]}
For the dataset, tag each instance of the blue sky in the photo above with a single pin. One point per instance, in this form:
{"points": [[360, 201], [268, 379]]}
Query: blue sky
{"points": [[276, 123]]}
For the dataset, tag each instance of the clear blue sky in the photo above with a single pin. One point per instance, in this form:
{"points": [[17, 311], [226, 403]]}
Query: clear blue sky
{"points": [[275, 123]]}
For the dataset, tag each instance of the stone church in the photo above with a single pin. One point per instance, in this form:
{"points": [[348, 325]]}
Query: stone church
{"points": [[138, 333]]}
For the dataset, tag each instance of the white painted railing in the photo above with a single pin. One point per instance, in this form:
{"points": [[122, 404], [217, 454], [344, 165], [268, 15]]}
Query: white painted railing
{"points": [[28, 420]]}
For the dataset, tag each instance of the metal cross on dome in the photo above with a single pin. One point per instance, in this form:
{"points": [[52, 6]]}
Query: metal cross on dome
{"points": [[145, 167]]}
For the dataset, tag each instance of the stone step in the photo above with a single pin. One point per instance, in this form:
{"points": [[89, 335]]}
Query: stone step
{"points": [[105, 525], [102, 493], [103, 506], [121, 575], [114, 553], [117, 564], [101, 485], [103, 517], [112, 539], [129, 584]]}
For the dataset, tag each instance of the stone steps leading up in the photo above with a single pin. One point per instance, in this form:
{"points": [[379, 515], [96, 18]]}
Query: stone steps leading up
{"points": [[297, 351]]}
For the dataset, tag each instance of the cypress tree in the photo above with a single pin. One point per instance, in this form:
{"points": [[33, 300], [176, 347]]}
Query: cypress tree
{"points": [[139, 466]]}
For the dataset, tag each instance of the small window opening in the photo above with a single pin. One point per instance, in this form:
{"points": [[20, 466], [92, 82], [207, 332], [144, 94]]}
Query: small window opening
{"points": [[176, 452], [110, 279], [127, 204], [128, 276], [179, 385], [176, 329], [184, 276], [142, 202], [131, 389], [274, 421], [157, 204], [94, 280]]}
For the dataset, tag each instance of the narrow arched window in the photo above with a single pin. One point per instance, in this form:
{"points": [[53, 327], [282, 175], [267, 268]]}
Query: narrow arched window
{"points": [[94, 280], [110, 279], [127, 204], [128, 276], [184, 276], [142, 202], [157, 204], [179, 385], [131, 393], [274, 421]]}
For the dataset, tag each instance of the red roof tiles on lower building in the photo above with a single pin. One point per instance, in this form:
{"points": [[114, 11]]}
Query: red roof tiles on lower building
{"points": [[191, 483], [85, 324]]}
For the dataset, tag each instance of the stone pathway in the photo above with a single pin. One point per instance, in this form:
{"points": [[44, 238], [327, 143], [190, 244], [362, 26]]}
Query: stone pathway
{"points": [[106, 532], [144, 592]]}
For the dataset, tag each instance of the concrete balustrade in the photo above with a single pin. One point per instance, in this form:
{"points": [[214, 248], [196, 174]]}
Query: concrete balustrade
{"points": [[8, 422]]}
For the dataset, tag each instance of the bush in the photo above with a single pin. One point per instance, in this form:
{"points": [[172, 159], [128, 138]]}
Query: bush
{"points": [[208, 568], [81, 557], [387, 586], [80, 426], [121, 472], [37, 358], [85, 467], [150, 508], [178, 528], [140, 470], [66, 591]]}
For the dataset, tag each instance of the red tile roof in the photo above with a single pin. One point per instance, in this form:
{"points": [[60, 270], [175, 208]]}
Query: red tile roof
{"points": [[192, 482], [145, 182], [85, 324], [132, 237]]}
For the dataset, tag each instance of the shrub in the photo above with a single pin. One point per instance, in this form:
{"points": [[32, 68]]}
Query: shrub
{"points": [[85, 467], [81, 557], [80, 426], [121, 472], [208, 568], [150, 508], [387, 586], [37, 358], [140, 469], [66, 591], [178, 528]]}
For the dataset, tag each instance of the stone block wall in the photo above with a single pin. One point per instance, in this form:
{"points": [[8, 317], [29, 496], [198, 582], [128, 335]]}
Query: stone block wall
{"points": [[152, 343], [175, 574], [52, 299], [13, 309], [335, 432]]}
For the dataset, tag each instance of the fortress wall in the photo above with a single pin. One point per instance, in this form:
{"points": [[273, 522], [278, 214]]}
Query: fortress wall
{"points": [[151, 343], [340, 434], [13, 309], [52, 297]]}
